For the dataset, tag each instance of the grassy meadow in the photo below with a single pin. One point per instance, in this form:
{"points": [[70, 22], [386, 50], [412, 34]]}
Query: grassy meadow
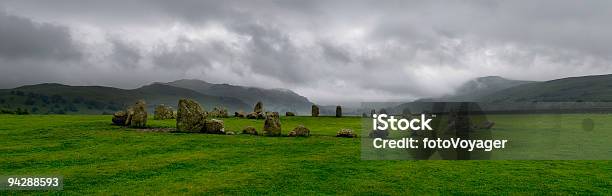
{"points": [[95, 157]]}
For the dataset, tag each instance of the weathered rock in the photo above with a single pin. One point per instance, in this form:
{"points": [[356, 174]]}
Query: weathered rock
{"points": [[130, 113], [119, 118], [272, 113], [338, 111], [163, 112], [346, 133], [262, 116], [299, 131], [272, 125], [249, 130], [239, 114], [190, 116], [289, 114], [258, 107], [251, 115], [315, 111], [137, 115], [254, 115], [218, 112], [213, 126]]}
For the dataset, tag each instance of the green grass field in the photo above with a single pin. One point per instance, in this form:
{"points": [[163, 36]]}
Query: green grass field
{"points": [[95, 157]]}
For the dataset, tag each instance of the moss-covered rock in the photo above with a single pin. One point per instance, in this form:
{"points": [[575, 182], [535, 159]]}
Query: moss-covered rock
{"points": [[137, 115], [163, 112], [249, 130], [258, 107], [119, 118], [218, 112], [190, 116], [346, 133], [315, 111], [272, 125], [299, 131], [213, 126]]}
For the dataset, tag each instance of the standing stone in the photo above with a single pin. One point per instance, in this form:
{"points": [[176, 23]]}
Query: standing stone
{"points": [[137, 115], [338, 111], [239, 114], [130, 113], [163, 112], [346, 133], [299, 131], [254, 115], [249, 130], [315, 111], [261, 115], [119, 118], [251, 115], [190, 116], [258, 107], [218, 112], [213, 126], [272, 125], [289, 114]]}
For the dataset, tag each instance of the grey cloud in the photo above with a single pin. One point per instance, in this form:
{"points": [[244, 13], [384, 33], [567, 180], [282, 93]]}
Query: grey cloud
{"points": [[273, 54], [393, 48], [123, 53], [187, 53], [22, 38], [335, 53]]}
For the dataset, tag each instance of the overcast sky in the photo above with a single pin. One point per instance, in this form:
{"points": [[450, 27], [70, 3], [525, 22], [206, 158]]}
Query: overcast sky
{"points": [[329, 51]]}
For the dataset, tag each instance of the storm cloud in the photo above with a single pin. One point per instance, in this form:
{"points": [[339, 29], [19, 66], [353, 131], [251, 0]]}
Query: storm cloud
{"points": [[330, 51]]}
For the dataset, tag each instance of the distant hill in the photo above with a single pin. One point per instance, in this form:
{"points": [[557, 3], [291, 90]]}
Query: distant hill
{"points": [[477, 88], [61, 99], [495, 89], [573, 94], [280, 100], [596, 88]]}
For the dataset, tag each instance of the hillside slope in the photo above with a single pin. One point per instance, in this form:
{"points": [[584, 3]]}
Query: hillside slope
{"points": [[280, 100], [477, 88], [596, 88], [61, 99]]}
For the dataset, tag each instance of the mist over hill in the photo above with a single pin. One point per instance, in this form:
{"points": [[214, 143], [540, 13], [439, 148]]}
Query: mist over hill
{"points": [[594, 88], [51, 98], [496, 94], [63, 99], [281, 100], [478, 88], [492, 91]]}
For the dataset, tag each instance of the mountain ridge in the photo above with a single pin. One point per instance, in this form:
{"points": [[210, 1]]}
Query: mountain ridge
{"points": [[54, 98], [281, 100], [476, 88]]}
